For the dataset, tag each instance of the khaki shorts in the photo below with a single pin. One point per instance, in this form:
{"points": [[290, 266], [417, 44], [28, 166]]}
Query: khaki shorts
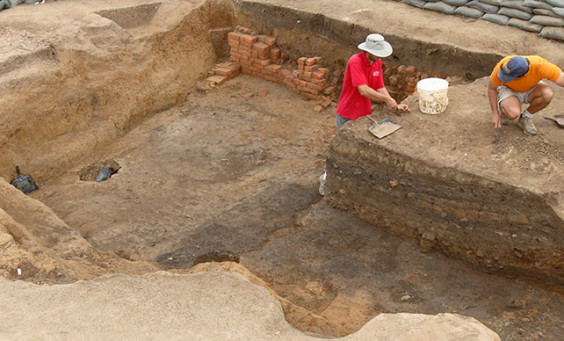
{"points": [[503, 92]]}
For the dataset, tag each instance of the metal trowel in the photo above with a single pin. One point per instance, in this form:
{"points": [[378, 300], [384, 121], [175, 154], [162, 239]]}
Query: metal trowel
{"points": [[383, 128], [559, 119]]}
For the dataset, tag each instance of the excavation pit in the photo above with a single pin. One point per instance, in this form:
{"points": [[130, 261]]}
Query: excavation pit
{"points": [[230, 172]]}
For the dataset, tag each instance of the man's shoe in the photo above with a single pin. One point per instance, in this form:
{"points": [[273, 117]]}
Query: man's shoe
{"points": [[527, 125]]}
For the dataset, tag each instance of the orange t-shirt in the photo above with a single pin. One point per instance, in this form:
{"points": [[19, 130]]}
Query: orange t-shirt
{"points": [[539, 68]]}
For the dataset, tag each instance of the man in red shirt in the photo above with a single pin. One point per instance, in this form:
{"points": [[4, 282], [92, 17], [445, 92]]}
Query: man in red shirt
{"points": [[517, 80], [364, 82]]}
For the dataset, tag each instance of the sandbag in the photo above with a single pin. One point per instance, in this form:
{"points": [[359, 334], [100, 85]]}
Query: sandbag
{"points": [[13, 3], [558, 11], [547, 21], [515, 13], [524, 25], [456, 3], [483, 7], [546, 12], [416, 3], [496, 18], [555, 3], [517, 5], [440, 7], [536, 4], [552, 33], [492, 2], [469, 12]]}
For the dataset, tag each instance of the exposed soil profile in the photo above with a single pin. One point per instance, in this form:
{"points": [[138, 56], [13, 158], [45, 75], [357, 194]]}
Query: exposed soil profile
{"points": [[230, 173]]}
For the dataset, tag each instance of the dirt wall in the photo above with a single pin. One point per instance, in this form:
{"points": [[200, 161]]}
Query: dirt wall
{"points": [[470, 209], [66, 97]]}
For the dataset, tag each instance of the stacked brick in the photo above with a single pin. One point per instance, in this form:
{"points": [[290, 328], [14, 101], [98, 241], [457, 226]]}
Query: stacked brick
{"points": [[545, 17], [401, 81], [259, 56]]}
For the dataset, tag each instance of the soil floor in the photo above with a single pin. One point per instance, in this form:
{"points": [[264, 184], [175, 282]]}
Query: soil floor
{"points": [[232, 174]]}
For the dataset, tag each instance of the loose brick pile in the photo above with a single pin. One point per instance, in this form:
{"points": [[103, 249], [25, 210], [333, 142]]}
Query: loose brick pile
{"points": [[259, 56], [401, 81]]}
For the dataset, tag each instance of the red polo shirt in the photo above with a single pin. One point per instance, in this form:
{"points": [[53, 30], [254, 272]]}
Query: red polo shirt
{"points": [[352, 104]]}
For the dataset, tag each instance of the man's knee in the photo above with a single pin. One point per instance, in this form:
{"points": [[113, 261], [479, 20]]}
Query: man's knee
{"points": [[543, 95], [547, 94], [511, 107]]}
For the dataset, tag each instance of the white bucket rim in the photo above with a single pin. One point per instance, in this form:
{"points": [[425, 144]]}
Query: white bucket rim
{"points": [[432, 84]]}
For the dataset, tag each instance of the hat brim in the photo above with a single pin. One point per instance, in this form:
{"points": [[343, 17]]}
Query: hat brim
{"points": [[505, 78], [385, 52]]}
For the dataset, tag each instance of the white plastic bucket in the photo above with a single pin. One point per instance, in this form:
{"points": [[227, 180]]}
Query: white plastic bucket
{"points": [[433, 97]]}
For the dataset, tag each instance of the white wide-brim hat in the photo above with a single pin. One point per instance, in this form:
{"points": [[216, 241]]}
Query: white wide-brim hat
{"points": [[376, 45]]}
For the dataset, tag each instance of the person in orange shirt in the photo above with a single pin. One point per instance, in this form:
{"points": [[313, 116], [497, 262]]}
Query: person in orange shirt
{"points": [[517, 80]]}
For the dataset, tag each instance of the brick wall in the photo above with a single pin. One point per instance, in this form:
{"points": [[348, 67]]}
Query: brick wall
{"points": [[258, 55]]}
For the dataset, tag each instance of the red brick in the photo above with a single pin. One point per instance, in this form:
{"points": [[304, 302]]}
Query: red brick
{"points": [[314, 86], [285, 72], [324, 70], [222, 71], [318, 75], [271, 78], [234, 36], [273, 68], [308, 95], [410, 70], [307, 76], [265, 62], [321, 82], [310, 68], [270, 41], [242, 49], [275, 53], [310, 61], [233, 43], [216, 79], [260, 46], [329, 90], [301, 61], [248, 39]]}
